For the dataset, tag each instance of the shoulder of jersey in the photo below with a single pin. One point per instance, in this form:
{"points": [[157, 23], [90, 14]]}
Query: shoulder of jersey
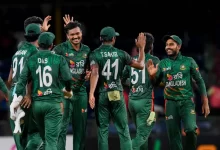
{"points": [[63, 44], [20, 44], [32, 56], [53, 53], [155, 57], [95, 50], [86, 47], [120, 50], [187, 58], [164, 60]]}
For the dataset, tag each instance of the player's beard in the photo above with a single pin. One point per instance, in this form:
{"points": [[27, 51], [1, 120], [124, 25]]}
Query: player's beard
{"points": [[171, 52]]}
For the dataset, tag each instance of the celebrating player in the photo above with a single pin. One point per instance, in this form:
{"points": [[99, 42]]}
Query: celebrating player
{"points": [[76, 55], [107, 63], [141, 104], [44, 69], [177, 72]]}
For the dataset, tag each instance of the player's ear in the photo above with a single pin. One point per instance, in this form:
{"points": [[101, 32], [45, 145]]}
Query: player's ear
{"points": [[67, 36], [114, 39], [101, 39], [51, 47], [179, 46]]}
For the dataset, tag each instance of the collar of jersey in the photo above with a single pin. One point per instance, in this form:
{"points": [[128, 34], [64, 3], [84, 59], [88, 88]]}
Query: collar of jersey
{"points": [[147, 54], [105, 45], [45, 50], [179, 56]]}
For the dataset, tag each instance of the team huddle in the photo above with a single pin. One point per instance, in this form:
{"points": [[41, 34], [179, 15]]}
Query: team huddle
{"points": [[48, 90]]}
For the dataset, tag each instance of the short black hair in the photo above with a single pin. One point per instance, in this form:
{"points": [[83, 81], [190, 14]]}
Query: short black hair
{"points": [[72, 25], [105, 38], [149, 41], [33, 19], [31, 38]]}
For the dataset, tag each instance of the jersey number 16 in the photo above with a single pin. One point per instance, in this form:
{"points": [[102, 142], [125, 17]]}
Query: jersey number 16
{"points": [[45, 77]]}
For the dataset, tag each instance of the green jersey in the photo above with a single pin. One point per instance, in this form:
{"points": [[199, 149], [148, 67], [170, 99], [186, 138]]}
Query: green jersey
{"points": [[111, 62], [141, 86], [25, 50], [44, 69], [77, 61], [177, 74]]}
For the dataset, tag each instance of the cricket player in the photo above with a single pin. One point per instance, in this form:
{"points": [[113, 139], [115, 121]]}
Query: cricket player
{"points": [[44, 26], [4, 89], [76, 55], [108, 63], [34, 138], [45, 68], [177, 72], [141, 105], [25, 50]]}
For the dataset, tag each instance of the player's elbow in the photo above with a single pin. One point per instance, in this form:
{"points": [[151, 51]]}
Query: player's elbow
{"points": [[9, 82], [198, 81]]}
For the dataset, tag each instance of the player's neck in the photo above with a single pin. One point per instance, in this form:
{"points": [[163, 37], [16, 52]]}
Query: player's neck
{"points": [[107, 43], [76, 46], [174, 57], [35, 43]]}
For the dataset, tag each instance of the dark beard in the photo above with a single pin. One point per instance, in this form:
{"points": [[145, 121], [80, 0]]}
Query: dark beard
{"points": [[174, 54]]}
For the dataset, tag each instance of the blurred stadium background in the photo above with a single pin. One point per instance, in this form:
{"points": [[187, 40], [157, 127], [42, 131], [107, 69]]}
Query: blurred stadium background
{"points": [[196, 22]]}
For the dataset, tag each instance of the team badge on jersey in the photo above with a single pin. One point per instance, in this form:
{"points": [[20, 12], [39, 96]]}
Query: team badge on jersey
{"points": [[69, 54], [133, 89], [192, 111], [84, 110], [166, 69], [182, 67], [39, 93], [169, 77], [72, 64], [84, 55], [105, 85]]}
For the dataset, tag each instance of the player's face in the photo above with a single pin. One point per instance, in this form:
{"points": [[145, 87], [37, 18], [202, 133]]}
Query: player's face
{"points": [[134, 51], [74, 35], [172, 48]]}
